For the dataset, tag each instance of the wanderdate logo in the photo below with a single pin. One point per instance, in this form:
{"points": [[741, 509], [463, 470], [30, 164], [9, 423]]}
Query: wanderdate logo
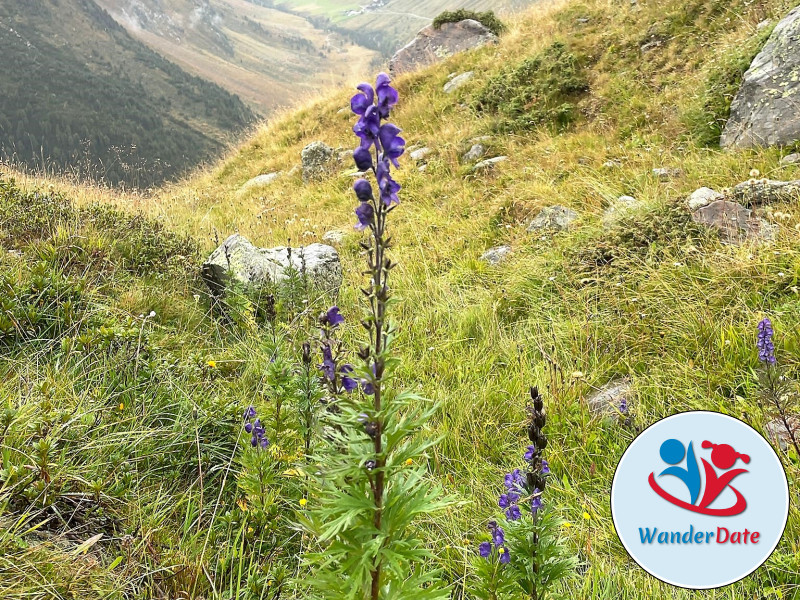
{"points": [[700, 500]]}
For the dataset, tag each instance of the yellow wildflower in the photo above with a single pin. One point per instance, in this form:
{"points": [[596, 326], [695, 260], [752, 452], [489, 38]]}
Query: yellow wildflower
{"points": [[409, 462], [122, 406], [586, 516], [303, 502], [212, 363]]}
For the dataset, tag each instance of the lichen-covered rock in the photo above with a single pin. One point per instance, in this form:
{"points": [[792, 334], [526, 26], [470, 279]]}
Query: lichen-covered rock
{"points": [[764, 110], [434, 45], [237, 258], [316, 158], [734, 222], [553, 217], [420, 154], [667, 173], [762, 191], [457, 82], [791, 159], [703, 197], [494, 256], [608, 400], [334, 237]]}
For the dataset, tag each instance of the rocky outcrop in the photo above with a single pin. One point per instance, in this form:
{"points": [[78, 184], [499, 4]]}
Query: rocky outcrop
{"points": [[764, 110], [434, 45], [703, 197], [475, 153], [757, 192], [237, 258], [317, 158], [553, 217], [734, 222]]}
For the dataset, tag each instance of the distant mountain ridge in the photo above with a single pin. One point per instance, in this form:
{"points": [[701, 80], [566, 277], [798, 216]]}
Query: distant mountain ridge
{"points": [[83, 95]]}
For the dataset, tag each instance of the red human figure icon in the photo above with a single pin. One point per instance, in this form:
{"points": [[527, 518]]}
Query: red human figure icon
{"points": [[724, 457]]}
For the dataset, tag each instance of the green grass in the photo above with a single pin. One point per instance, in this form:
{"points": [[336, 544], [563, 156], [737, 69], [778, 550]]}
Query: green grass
{"points": [[653, 298]]}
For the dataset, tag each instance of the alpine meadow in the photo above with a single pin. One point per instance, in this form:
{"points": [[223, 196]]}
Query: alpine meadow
{"points": [[394, 345]]}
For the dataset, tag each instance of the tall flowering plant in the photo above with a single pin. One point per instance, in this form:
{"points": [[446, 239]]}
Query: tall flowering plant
{"points": [[525, 556], [777, 390], [372, 482]]}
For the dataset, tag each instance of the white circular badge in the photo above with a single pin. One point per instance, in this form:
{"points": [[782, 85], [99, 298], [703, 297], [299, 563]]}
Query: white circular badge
{"points": [[700, 500]]}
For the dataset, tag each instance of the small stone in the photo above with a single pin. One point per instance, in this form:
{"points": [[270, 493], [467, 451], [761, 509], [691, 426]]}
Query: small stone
{"points": [[489, 163], [703, 197], [777, 432], [791, 159], [606, 401], [495, 256], [457, 82], [645, 48], [666, 173], [260, 181], [612, 164], [553, 217], [762, 24], [422, 168], [734, 222], [582, 20], [333, 237], [316, 158], [474, 154], [421, 154]]}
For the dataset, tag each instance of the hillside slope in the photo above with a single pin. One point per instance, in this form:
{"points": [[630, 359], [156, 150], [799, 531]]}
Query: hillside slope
{"points": [[583, 115], [80, 94]]}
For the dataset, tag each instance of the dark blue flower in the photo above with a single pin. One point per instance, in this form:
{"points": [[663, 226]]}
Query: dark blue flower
{"points": [[368, 127], [328, 366], [505, 557], [387, 95], [348, 383], [498, 535], [513, 513], [623, 406], [363, 157], [388, 187], [545, 467], [366, 216], [363, 190], [393, 145], [361, 102], [333, 317], [485, 549], [530, 452], [249, 413], [766, 348], [514, 481]]}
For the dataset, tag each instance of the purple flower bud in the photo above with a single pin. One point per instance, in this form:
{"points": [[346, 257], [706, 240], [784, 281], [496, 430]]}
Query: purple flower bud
{"points": [[363, 158], [366, 216], [249, 428], [249, 413], [363, 190], [513, 513], [485, 549]]}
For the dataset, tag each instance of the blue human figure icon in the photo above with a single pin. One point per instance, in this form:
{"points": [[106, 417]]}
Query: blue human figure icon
{"points": [[672, 453]]}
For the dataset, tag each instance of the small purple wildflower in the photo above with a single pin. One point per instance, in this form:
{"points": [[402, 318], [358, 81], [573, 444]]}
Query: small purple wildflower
{"points": [[249, 413], [513, 513], [623, 406], [366, 216], [536, 502], [328, 366], [333, 317], [485, 549], [545, 467], [766, 348], [530, 453], [258, 435]]}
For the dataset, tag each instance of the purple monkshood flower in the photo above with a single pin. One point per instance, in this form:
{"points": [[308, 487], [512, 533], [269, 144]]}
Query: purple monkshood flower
{"points": [[348, 383], [536, 502], [529, 453], [388, 187], [366, 216], [361, 102], [514, 480], [623, 406], [255, 429], [766, 348], [363, 158], [363, 190], [485, 549], [387, 95], [545, 467], [392, 144], [333, 317], [249, 413], [513, 513], [328, 366]]}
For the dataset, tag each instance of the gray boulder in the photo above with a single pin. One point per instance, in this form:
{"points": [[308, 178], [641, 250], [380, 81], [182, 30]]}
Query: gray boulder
{"points": [[762, 191], [764, 110], [431, 45], [703, 197], [608, 400], [494, 256], [734, 222], [457, 82], [553, 217], [316, 159], [475, 153], [420, 154], [250, 265], [791, 159]]}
